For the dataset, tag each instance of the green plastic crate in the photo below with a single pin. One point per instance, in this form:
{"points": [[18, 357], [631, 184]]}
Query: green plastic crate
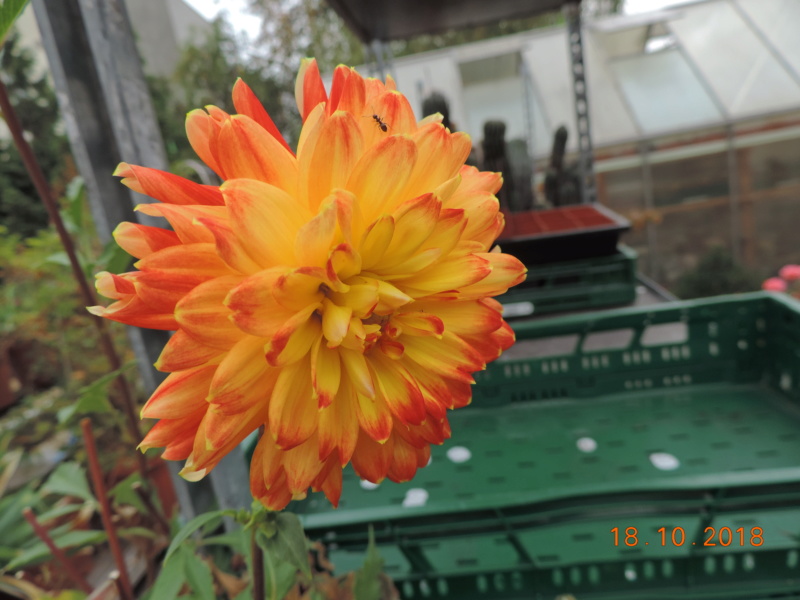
{"points": [[574, 285], [684, 415]]}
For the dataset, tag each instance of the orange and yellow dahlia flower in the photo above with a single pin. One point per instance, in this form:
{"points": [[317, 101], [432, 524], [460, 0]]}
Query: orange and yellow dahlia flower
{"points": [[339, 297]]}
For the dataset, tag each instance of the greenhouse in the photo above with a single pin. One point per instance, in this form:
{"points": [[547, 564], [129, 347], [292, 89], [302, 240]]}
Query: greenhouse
{"points": [[694, 120]]}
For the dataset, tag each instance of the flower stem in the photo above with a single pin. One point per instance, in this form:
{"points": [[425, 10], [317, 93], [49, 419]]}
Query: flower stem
{"points": [[105, 509], [258, 567], [87, 293], [58, 553]]}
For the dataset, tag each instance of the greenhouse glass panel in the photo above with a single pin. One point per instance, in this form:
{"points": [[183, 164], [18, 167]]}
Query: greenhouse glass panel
{"points": [[546, 57], [663, 92], [744, 74], [610, 118], [778, 21]]}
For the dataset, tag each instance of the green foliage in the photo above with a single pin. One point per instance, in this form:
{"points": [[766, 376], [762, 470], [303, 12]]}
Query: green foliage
{"points": [[9, 11], [34, 101], [69, 479], [205, 74], [368, 579], [716, 273]]}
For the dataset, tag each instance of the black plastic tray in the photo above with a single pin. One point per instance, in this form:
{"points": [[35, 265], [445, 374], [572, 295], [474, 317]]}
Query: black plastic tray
{"points": [[566, 233]]}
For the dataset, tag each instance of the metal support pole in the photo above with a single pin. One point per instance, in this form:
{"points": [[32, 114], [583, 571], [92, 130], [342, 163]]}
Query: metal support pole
{"points": [[109, 116], [572, 12], [654, 265], [734, 194]]}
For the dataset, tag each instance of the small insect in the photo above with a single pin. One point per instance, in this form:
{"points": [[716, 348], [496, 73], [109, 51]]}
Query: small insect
{"points": [[381, 125]]}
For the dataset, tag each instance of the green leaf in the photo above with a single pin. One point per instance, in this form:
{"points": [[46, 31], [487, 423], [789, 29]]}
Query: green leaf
{"points": [[39, 552], [93, 398], [69, 479], [232, 540], [113, 259], [142, 532], [73, 214], [192, 526], [368, 585], [279, 576], [58, 258], [170, 580], [123, 493], [59, 511], [288, 545], [10, 10], [198, 575]]}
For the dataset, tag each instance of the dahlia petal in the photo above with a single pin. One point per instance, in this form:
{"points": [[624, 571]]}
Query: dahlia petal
{"points": [[468, 317], [414, 221], [449, 356], [247, 151], [166, 187], [336, 152], [278, 497], [507, 271], [390, 298], [347, 91], [374, 417], [222, 432], [183, 352], [348, 214], [176, 395], [475, 182], [371, 460], [307, 142], [116, 287], [293, 412], [326, 372], [404, 461], [238, 373], [441, 156], [308, 90], [136, 313], [182, 219], [380, 176], [265, 218], [293, 341], [414, 264], [391, 348], [331, 485], [448, 231], [202, 131], [246, 103], [302, 466], [399, 389], [338, 425], [376, 240], [452, 274], [361, 299], [195, 262], [141, 240], [315, 238], [419, 323], [229, 247], [392, 109], [253, 306], [172, 433], [270, 460], [203, 316], [357, 370], [300, 287], [161, 291], [335, 322]]}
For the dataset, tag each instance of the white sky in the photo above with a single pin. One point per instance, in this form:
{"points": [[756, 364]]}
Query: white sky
{"points": [[242, 21]]}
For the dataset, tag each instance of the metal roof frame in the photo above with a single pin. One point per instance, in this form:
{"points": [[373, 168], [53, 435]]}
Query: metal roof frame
{"points": [[386, 20]]}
